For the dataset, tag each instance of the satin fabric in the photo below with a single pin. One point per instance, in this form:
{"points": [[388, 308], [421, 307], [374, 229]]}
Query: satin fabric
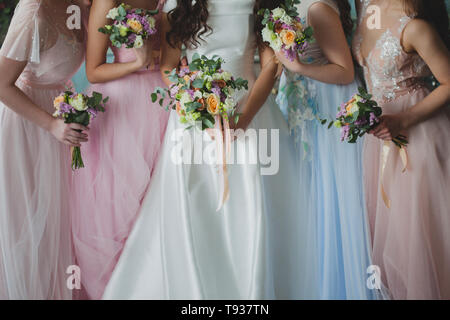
{"points": [[255, 247]]}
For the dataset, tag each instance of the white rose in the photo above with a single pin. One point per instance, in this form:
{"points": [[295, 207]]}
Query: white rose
{"points": [[276, 44], [278, 13], [139, 42], [268, 35], [226, 76], [198, 95], [79, 103], [355, 108], [286, 19], [151, 22], [229, 103], [185, 98], [113, 13]]}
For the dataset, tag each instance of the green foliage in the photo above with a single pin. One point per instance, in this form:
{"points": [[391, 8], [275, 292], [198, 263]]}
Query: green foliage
{"points": [[6, 13]]}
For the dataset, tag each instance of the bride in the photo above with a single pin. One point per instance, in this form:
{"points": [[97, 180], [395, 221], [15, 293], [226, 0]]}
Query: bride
{"points": [[256, 246]]}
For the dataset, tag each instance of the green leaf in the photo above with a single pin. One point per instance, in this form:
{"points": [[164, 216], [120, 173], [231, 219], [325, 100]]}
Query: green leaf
{"points": [[198, 83], [154, 97]]}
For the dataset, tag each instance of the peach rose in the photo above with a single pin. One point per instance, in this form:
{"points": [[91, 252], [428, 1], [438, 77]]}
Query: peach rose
{"points": [[58, 100], [350, 105], [213, 104], [187, 78], [288, 37], [135, 25]]}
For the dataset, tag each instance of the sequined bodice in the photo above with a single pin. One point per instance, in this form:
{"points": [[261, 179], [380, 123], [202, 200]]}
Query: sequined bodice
{"points": [[389, 71]]}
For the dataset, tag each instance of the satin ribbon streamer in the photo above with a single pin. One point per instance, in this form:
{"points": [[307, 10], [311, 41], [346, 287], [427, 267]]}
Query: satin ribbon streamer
{"points": [[222, 150], [387, 145]]}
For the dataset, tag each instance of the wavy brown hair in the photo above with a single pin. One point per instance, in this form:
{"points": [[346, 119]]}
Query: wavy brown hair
{"points": [[189, 23], [434, 12]]}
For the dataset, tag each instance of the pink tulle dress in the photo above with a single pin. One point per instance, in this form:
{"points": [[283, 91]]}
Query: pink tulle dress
{"points": [[121, 153], [410, 221], [35, 242]]}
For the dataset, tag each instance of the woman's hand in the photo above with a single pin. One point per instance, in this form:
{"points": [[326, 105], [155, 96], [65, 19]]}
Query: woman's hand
{"points": [[390, 126], [69, 134], [144, 55], [293, 66]]}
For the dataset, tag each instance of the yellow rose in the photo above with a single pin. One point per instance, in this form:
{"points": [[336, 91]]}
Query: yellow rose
{"points": [[212, 104], [135, 25], [58, 100], [288, 37]]}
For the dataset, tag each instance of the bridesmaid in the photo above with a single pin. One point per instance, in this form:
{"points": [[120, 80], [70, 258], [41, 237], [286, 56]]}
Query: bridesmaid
{"points": [[122, 150], [38, 58], [313, 87], [410, 225]]}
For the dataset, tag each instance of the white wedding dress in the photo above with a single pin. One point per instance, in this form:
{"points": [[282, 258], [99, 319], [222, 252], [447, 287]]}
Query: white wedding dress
{"points": [[258, 245]]}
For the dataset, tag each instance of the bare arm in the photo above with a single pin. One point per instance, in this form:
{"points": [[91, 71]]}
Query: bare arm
{"points": [[262, 87], [419, 36], [340, 69], [97, 69], [17, 101], [170, 57]]}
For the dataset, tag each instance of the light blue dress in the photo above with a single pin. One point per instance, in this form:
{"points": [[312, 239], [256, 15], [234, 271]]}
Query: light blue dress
{"points": [[333, 179]]}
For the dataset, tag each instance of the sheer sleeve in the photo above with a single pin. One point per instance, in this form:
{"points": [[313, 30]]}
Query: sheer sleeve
{"points": [[170, 5], [22, 42]]}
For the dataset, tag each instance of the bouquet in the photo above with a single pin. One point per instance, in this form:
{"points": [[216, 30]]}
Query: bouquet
{"points": [[202, 92], [358, 116], [203, 96], [81, 109], [284, 31], [130, 26]]}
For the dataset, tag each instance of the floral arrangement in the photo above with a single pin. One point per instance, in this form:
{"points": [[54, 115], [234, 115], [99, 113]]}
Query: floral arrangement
{"points": [[358, 116], [284, 31], [202, 92], [130, 26], [81, 109]]}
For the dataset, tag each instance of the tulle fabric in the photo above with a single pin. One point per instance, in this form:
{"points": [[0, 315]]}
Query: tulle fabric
{"points": [[119, 158], [35, 242], [333, 190], [34, 198], [411, 243]]}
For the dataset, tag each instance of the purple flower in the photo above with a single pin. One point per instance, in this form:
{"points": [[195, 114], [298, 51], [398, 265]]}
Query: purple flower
{"points": [[373, 119], [345, 132]]}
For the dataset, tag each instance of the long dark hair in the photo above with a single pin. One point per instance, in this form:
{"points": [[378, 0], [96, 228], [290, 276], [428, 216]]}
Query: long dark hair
{"points": [[434, 12], [188, 23], [346, 16]]}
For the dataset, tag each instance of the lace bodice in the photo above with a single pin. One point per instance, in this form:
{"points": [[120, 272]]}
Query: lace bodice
{"points": [[389, 71], [39, 35], [313, 54], [123, 54]]}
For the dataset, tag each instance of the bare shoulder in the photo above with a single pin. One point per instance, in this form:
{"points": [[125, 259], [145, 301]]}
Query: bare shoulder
{"points": [[418, 32], [320, 11]]}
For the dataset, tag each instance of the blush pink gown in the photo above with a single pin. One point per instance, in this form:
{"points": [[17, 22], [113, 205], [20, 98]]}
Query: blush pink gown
{"points": [[119, 158], [35, 242], [411, 239]]}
